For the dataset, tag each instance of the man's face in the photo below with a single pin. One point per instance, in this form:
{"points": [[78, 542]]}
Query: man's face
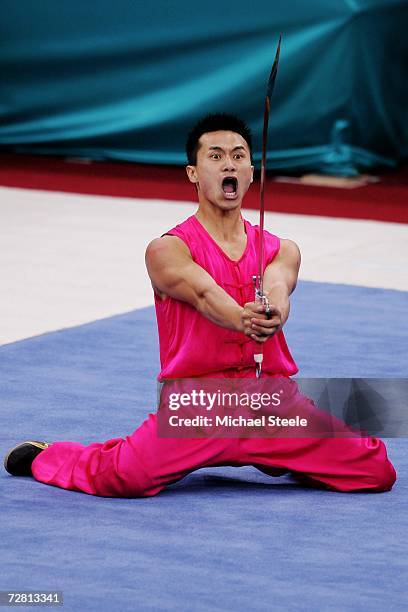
{"points": [[223, 172]]}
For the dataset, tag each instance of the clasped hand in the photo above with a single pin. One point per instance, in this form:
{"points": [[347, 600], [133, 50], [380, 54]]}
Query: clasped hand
{"points": [[257, 325]]}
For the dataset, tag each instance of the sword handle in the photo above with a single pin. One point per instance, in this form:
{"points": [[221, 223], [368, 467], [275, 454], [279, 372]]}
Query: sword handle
{"points": [[262, 299]]}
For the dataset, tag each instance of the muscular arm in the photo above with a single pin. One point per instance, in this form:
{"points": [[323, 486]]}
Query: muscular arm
{"points": [[281, 276], [280, 280], [173, 272]]}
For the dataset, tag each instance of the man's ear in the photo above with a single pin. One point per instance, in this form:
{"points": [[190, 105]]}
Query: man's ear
{"points": [[252, 174], [192, 174]]}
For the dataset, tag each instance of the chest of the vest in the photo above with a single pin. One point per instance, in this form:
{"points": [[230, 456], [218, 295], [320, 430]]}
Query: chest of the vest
{"points": [[235, 277]]}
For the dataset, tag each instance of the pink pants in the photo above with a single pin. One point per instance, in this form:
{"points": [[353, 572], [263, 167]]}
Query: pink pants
{"points": [[142, 464]]}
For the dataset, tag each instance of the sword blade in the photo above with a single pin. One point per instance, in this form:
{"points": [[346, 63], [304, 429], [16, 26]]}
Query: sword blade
{"points": [[269, 91], [258, 280]]}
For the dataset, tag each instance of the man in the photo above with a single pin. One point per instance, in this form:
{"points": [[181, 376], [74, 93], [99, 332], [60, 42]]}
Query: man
{"points": [[209, 326]]}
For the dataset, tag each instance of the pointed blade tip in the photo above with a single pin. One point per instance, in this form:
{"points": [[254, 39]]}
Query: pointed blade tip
{"points": [[274, 69]]}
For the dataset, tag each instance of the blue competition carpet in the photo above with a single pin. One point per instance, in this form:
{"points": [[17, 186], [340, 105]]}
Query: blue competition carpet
{"points": [[221, 539]]}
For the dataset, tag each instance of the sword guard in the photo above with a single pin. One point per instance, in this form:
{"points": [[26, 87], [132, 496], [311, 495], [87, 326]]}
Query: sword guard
{"points": [[261, 297]]}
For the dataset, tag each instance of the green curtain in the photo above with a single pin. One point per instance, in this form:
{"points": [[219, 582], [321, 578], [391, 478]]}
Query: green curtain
{"points": [[126, 80]]}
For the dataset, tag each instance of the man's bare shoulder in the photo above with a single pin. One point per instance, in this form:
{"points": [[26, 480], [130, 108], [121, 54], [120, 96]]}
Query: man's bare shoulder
{"points": [[160, 250], [289, 250], [165, 257]]}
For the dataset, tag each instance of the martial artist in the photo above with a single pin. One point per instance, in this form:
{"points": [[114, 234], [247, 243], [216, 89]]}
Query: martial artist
{"points": [[208, 322]]}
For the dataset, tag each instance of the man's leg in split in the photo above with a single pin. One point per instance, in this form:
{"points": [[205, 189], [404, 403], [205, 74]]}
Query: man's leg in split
{"points": [[341, 460], [143, 464], [341, 464], [139, 465]]}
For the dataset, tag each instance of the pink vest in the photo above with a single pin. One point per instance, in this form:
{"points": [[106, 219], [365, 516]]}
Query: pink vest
{"points": [[190, 344]]}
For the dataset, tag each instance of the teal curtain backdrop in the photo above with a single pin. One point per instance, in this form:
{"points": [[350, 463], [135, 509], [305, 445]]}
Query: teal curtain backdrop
{"points": [[125, 80]]}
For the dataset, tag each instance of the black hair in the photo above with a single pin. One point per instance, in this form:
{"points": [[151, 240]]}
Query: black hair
{"points": [[213, 123]]}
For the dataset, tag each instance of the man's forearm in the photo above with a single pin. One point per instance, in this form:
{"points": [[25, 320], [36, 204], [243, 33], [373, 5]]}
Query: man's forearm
{"points": [[281, 276], [216, 305], [278, 295]]}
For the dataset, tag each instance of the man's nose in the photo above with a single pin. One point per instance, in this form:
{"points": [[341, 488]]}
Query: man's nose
{"points": [[229, 165]]}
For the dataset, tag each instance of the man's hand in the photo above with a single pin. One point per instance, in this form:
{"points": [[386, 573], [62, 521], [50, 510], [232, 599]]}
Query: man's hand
{"points": [[257, 325]]}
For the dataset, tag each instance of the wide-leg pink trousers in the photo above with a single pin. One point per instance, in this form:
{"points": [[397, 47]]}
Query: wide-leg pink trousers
{"points": [[142, 464]]}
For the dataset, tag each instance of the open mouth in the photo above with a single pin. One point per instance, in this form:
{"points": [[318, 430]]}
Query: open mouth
{"points": [[229, 186]]}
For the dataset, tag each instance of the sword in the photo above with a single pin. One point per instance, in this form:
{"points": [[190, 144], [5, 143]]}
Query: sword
{"points": [[258, 279]]}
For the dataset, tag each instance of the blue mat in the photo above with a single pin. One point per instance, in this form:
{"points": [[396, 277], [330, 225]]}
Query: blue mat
{"points": [[222, 538]]}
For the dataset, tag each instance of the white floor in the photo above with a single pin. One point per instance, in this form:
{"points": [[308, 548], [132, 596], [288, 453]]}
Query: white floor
{"points": [[68, 259]]}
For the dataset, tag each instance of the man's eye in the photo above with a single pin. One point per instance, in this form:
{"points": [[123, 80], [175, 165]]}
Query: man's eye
{"points": [[238, 155], [216, 156]]}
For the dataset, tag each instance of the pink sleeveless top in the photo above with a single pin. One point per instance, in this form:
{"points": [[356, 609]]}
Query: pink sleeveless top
{"points": [[190, 344]]}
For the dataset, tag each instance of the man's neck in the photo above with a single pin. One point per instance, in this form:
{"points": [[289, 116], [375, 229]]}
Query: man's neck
{"points": [[222, 225]]}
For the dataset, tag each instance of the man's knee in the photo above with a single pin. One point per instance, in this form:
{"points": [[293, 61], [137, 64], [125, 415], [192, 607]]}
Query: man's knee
{"points": [[144, 490], [124, 484], [127, 490]]}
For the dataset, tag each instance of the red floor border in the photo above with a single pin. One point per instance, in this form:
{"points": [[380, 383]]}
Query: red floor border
{"points": [[383, 201]]}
